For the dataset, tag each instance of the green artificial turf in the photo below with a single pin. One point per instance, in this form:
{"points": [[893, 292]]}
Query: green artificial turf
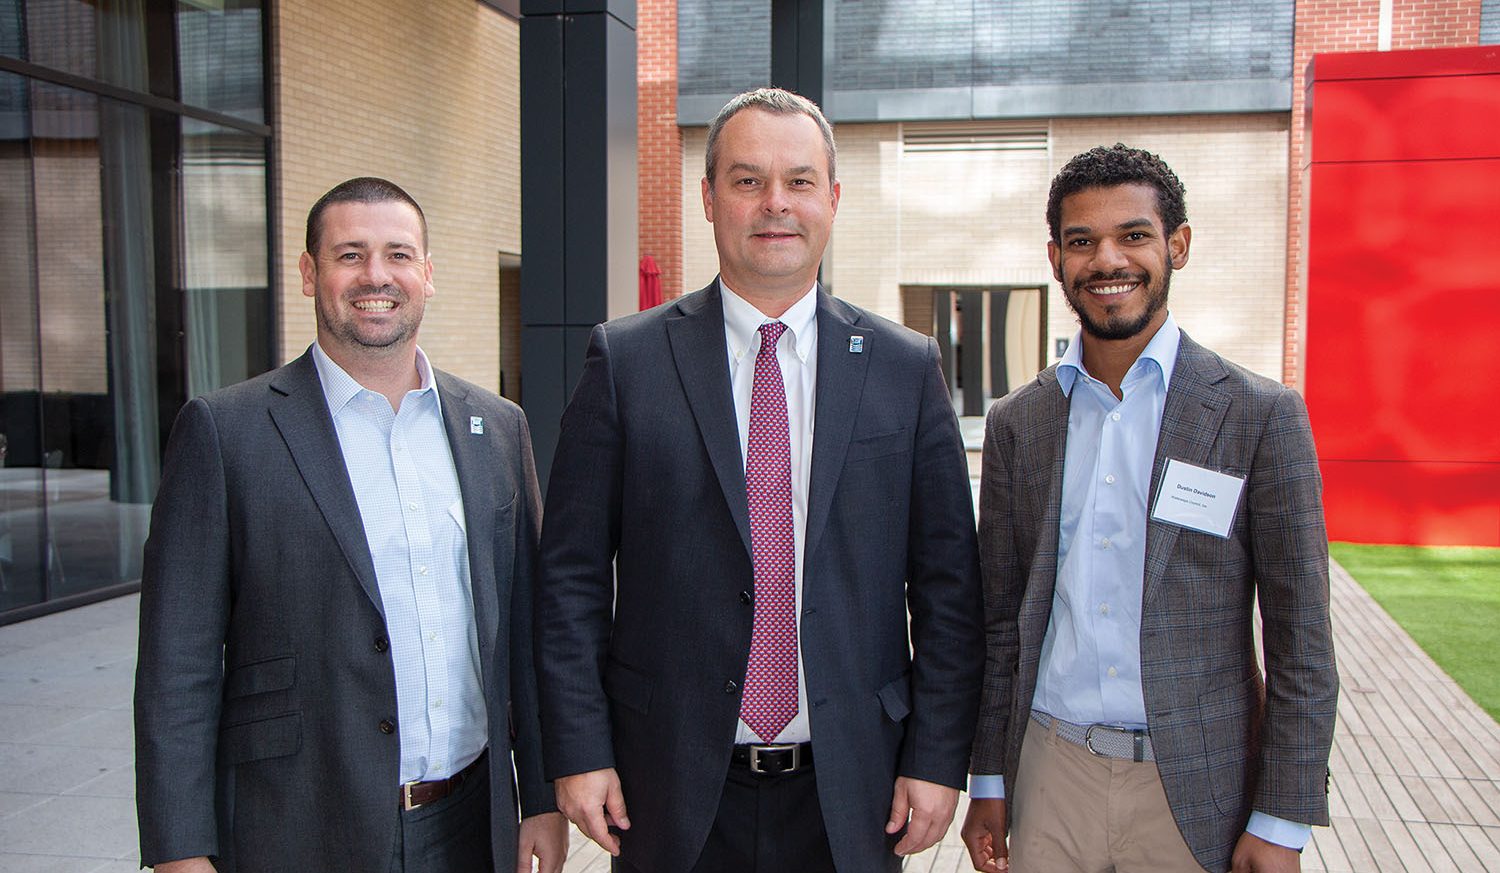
{"points": [[1447, 598]]}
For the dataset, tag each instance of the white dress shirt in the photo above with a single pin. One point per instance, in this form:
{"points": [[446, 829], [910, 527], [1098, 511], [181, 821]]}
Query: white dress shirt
{"points": [[797, 352], [1090, 666], [401, 468]]}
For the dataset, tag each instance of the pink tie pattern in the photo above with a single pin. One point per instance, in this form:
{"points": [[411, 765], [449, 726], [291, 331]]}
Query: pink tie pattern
{"points": [[770, 699]]}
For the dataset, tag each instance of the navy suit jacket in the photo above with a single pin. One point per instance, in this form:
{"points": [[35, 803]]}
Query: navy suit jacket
{"points": [[644, 607]]}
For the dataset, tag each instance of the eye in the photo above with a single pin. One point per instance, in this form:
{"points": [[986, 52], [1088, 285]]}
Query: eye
{"points": [[401, 256], [349, 257], [746, 182], [1136, 236], [801, 183], [1079, 242]]}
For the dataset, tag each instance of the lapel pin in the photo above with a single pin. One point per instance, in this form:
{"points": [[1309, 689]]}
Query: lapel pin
{"points": [[856, 344], [476, 424]]}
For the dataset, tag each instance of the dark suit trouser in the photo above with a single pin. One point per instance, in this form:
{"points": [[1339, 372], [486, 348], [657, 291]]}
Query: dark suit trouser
{"points": [[765, 824], [451, 835]]}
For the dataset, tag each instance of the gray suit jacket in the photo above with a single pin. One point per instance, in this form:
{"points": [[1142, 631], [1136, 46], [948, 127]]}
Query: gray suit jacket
{"points": [[644, 610], [264, 674], [1227, 742]]}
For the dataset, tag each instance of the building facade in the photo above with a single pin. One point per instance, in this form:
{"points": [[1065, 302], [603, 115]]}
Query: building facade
{"points": [[157, 160]]}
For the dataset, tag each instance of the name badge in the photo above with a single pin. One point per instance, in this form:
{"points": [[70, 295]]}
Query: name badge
{"points": [[1196, 498]]}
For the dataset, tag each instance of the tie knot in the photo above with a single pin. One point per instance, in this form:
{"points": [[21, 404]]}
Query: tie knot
{"points": [[770, 332]]}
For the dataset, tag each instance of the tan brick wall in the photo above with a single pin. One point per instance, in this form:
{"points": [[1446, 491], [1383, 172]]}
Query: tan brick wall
{"points": [[1230, 296], [433, 104], [977, 218]]}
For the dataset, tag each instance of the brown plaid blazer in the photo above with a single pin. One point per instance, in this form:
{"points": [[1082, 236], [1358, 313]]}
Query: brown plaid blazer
{"points": [[1227, 740]]}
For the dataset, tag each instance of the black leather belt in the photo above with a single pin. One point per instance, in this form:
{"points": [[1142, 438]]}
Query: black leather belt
{"points": [[415, 794], [772, 760]]}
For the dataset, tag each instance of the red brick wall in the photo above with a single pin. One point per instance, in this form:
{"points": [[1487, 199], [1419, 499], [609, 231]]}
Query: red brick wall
{"points": [[660, 143], [1349, 26]]}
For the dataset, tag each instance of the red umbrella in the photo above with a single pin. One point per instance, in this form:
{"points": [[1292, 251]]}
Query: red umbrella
{"points": [[650, 283]]}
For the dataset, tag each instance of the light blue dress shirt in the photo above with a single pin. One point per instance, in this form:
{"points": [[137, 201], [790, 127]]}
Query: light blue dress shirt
{"points": [[1090, 666], [401, 467]]}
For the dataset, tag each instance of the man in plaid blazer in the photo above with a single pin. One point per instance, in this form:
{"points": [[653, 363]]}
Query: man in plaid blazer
{"points": [[1138, 499]]}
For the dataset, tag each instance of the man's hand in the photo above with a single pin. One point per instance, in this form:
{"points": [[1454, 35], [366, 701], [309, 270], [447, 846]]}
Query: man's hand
{"points": [[186, 865], [546, 837], [594, 802], [1254, 855], [930, 807], [984, 834]]}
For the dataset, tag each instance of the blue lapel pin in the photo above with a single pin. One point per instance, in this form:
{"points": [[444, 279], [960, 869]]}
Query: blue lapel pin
{"points": [[476, 424], [856, 344]]}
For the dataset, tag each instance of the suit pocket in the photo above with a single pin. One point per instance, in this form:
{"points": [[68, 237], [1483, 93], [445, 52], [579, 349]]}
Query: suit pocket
{"points": [[627, 686], [266, 738], [879, 446], [895, 698], [1228, 717], [260, 677]]}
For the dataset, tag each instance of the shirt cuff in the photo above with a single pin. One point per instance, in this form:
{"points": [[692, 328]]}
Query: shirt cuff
{"points": [[1291, 834], [990, 787]]}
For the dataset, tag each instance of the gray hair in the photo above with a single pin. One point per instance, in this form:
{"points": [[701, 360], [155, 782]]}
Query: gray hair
{"points": [[777, 102]]}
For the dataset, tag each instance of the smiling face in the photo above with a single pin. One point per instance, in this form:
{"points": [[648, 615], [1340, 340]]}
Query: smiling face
{"points": [[370, 279], [771, 203], [1115, 260]]}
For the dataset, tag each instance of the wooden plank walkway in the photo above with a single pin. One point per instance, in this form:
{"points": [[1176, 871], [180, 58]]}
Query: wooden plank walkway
{"points": [[1416, 764]]}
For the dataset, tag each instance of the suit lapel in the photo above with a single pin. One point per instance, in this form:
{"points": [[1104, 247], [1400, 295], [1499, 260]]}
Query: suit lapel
{"points": [[1042, 462], [840, 385], [1190, 424], [702, 358], [475, 462], [299, 410]]}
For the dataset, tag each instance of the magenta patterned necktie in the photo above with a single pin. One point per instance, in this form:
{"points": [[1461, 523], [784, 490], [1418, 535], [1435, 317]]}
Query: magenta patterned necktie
{"points": [[770, 699]]}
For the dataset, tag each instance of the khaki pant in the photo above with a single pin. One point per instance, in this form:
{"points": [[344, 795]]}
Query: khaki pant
{"points": [[1075, 812]]}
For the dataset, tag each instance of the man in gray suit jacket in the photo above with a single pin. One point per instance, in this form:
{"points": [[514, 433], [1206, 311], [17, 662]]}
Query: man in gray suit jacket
{"points": [[1138, 499], [755, 486], [335, 665]]}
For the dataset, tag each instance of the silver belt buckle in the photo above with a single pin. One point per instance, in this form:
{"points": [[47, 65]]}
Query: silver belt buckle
{"points": [[406, 803], [755, 752], [1088, 740]]}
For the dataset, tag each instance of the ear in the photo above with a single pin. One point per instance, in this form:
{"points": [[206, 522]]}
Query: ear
{"points": [[708, 200], [427, 287], [1054, 256], [1177, 246], [837, 191], [309, 269]]}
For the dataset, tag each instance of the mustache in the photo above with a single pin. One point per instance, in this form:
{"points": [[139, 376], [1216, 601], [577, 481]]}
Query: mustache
{"points": [[392, 292]]}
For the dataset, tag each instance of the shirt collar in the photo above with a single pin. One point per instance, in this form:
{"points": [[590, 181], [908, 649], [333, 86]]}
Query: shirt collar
{"points": [[742, 320], [1162, 350], [339, 387]]}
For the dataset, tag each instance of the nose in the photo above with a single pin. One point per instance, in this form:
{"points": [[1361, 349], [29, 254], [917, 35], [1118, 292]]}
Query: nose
{"points": [[775, 201], [1108, 257], [376, 272]]}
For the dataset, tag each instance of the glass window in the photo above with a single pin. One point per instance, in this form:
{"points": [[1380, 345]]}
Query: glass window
{"points": [[219, 56]]}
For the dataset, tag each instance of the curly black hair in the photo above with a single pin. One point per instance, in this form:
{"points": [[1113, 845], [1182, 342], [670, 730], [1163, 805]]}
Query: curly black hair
{"points": [[1119, 164]]}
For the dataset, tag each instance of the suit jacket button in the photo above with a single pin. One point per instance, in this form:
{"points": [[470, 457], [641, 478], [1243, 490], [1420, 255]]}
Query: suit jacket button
{"points": [[731, 687], [387, 726], [745, 597], [381, 644]]}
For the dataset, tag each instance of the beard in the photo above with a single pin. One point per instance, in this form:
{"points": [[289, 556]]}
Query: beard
{"points": [[1119, 327], [348, 331]]}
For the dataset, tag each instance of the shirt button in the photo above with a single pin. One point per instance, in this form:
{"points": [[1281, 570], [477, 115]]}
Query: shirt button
{"points": [[412, 506], [1112, 672], [1104, 542], [437, 704], [1104, 609], [731, 687], [422, 569], [387, 726], [1114, 416], [1109, 479]]}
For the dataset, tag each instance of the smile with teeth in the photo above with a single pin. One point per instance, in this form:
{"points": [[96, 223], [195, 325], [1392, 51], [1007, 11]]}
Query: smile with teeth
{"points": [[1112, 290], [375, 305]]}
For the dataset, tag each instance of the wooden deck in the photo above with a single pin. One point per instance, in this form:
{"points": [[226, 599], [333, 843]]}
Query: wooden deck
{"points": [[1416, 764]]}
